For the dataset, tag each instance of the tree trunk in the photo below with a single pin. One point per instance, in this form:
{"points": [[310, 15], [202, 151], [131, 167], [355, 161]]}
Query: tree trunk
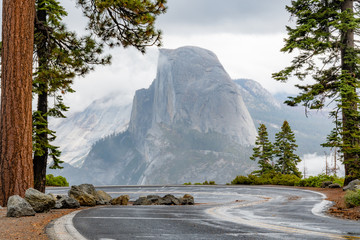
{"points": [[349, 103], [16, 172], [41, 153]]}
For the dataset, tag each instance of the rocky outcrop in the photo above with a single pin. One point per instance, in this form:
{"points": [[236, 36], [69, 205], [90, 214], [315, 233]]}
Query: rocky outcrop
{"points": [[39, 201], [121, 200], [19, 207], [353, 185], [187, 199], [326, 184]]}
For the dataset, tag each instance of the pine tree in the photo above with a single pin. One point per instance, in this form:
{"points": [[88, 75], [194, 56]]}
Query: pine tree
{"points": [[285, 147], [263, 151], [324, 38], [16, 174], [60, 56], [125, 23]]}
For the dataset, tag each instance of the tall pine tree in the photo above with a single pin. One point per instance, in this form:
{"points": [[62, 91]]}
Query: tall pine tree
{"points": [[285, 147], [324, 39], [263, 151], [60, 56]]}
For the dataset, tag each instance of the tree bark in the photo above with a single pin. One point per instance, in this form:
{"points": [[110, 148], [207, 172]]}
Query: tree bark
{"points": [[41, 154], [349, 103], [16, 172]]}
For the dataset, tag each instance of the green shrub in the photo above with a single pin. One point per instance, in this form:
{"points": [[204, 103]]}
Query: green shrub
{"points": [[352, 198], [58, 181], [316, 181], [268, 178], [189, 183], [197, 183], [212, 183]]}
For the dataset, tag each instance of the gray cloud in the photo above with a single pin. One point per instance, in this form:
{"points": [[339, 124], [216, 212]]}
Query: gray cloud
{"points": [[235, 16]]}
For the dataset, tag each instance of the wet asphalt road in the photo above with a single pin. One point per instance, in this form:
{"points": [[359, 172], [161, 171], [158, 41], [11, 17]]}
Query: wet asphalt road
{"points": [[230, 212]]}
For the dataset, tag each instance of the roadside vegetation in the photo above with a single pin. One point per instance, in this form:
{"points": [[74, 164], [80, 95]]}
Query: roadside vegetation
{"points": [[352, 198], [58, 181], [277, 163], [204, 183], [274, 178]]}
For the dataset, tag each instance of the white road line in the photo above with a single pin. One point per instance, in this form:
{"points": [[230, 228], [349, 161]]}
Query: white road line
{"points": [[63, 229], [222, 213]]}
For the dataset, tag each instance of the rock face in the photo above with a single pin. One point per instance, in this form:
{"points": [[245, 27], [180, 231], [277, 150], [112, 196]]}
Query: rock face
{"points": [[191, 124], [39, 201], [18, 207]]}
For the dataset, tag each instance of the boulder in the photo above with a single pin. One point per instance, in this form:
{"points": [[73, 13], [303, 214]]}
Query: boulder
{"points": [[106, 197], [84, 198], [121, 200], [326, 184], [66, 202], [18, 207], [187, 199], [142, 201], [353, 185], [169, 200], [334, 185], [153, 199], [90, 189], [39, 201]]}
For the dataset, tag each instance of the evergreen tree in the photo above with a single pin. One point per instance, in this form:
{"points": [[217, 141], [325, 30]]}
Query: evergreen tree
{"points": [[60, 56], [324, 39], [285, 147], [125, 23], [263, 151]]}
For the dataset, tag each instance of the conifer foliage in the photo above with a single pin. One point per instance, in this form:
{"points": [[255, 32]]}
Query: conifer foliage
{"points": [[125, 23], [285, 148], [263, 151], [324, 37], [279, 157]]}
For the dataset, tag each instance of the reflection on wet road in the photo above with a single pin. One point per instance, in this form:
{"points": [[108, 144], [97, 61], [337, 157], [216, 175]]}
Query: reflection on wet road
{"points": [[225, 212]]}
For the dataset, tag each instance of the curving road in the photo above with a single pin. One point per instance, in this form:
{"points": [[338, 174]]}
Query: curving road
{"points": [[225, 212]]}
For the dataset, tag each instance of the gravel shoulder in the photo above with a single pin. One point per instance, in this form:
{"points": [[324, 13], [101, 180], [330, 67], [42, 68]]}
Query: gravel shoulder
{"points": [[33, 227]]}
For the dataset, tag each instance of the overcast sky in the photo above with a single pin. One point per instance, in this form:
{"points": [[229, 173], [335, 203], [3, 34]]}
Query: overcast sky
{"points": [[245, 35]]}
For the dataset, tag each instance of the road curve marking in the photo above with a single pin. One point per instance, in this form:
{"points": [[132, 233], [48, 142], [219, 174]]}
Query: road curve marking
{"points": [[220, 212], [63, 229]]}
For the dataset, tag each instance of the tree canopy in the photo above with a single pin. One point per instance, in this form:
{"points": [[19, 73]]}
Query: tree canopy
{"points": [[323, 38]]}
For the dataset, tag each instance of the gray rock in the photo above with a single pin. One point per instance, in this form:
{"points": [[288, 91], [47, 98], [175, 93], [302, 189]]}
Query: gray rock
{"points": [[90, 189], [67, 202], [39, 201], [121, 200], [169, 200], [187, 199], [326, 184], [18, 207], [106, 197], [334, 185], [154, 199], [142, 201], [353, 185], [84, 198]]}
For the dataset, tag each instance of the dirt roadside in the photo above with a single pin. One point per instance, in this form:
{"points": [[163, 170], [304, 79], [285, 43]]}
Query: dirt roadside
{"points": [[29, 228]]}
